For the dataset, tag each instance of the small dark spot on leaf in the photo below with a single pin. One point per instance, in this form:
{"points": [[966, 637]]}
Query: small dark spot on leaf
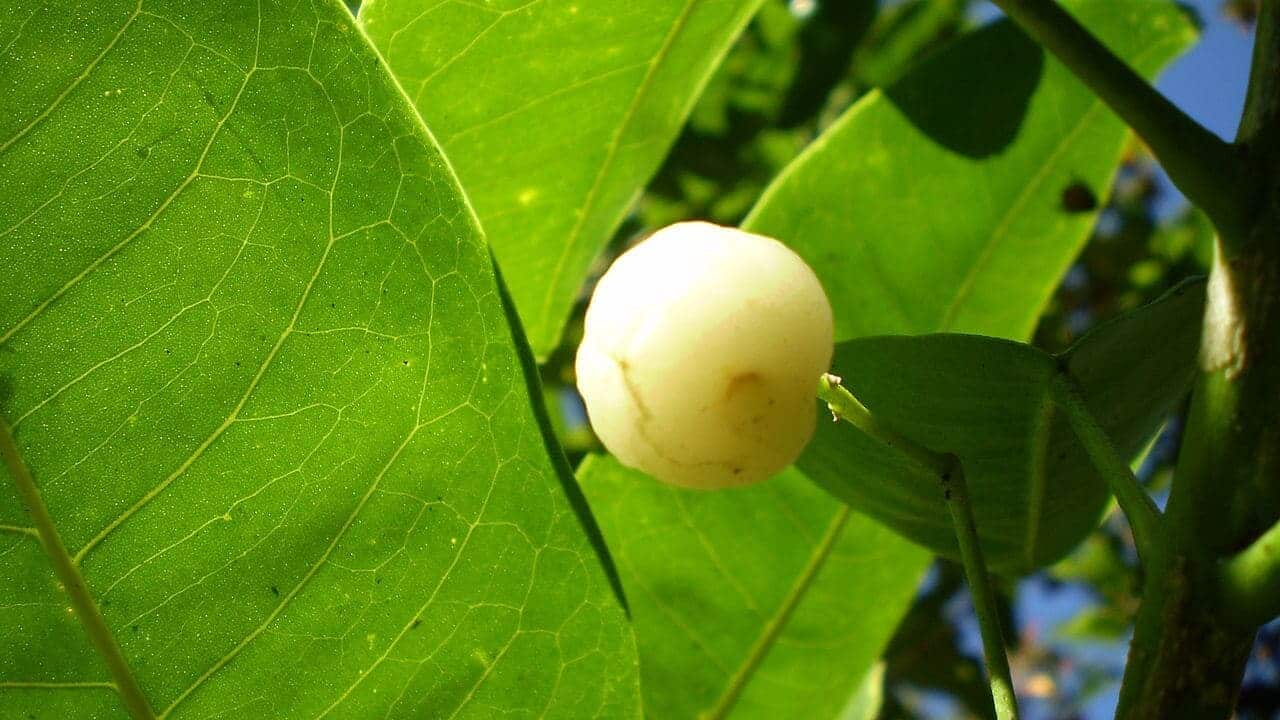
{"points": [[737, 471], [416, 623], [237, 363], [377, 581], [142, 152], [405, 363], [275, 591], [134, 628], [1077, 198]]}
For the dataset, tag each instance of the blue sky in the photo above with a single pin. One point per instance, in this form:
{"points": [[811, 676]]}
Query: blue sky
{"points": [[1209, 81]]}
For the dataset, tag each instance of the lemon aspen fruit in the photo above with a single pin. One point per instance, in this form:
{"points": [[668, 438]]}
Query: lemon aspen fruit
{"points": [[701, 353]]}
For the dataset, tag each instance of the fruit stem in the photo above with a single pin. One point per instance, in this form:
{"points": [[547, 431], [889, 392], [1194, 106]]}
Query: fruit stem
{"points": [[947, 468], [844, 406], [956, 491]]}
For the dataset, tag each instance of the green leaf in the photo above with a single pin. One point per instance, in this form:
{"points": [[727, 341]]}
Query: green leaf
{"points": [[936, 205], [759, 601], [258, 367], [867, 701], [1035, 493], [555, 114]]}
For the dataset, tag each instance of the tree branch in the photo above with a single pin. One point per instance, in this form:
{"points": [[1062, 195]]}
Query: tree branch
{"points": [[1204, 167]]}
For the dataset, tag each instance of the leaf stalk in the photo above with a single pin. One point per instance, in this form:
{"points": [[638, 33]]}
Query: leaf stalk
{"points": [[1144, 517]]}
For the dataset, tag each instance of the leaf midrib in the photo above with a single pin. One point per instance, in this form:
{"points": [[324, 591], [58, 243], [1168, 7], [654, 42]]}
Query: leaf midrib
{"points": [[765, 641], [1028, 191], [125, 682], [615, 143]]}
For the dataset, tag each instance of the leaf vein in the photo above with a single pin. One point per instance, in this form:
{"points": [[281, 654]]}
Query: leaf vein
{"points": [[1029, 190]]}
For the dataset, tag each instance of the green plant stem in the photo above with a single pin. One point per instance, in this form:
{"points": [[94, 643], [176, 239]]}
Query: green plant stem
{"points": [[984, 601], [950, 473], [1249, 583], [844, 406], [1143, 515], [69, 575], [1204, 167]]}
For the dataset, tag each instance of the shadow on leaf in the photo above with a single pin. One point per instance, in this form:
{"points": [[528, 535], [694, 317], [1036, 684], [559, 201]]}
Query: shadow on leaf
{"points": [[973, 98]]}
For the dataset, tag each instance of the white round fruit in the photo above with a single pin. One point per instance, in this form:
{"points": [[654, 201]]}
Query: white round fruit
{"points": [[701, 356]]}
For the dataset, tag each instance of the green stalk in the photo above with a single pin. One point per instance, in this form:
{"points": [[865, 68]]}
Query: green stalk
{"points": [[844, 406], [1195, 627], [1249, 583], [1204, 167], [956, 491], [1143, 515]]}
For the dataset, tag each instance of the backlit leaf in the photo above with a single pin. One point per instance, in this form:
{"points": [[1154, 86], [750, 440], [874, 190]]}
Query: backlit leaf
{"points": [[257, 363], [555, 114]]}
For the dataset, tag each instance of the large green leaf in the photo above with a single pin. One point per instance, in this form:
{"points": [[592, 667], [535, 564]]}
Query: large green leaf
{"points": [[1035, 493], [758, 601], [937, 205], [258, 366], [555, 114]]}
